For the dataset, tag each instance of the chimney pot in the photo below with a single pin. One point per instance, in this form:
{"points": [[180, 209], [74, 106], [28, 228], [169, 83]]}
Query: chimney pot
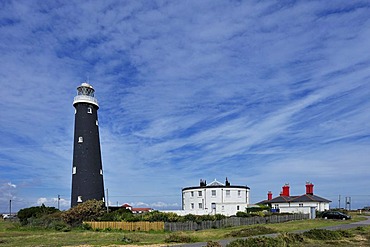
{"points": [[269, 195], [309, 188], [286, 189]]}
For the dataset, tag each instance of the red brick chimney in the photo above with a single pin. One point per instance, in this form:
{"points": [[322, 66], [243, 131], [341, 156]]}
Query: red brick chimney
{"points": [[269, 195], [309, 188], [285, 192]]}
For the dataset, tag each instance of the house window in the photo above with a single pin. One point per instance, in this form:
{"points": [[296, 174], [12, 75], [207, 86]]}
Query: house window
{"points": [[301, 204], [89, 110], [200, 205], [227, 193], [239, 193], [223, 207], [237, 207], [213, 205], [192, 194], [192, 205], [213, 193], [200, 193], [276, 205], [80, 139], [74, 170]]}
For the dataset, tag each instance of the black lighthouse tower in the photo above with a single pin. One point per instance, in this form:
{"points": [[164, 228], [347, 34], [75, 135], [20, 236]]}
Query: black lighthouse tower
{"points": [[87, 171]]}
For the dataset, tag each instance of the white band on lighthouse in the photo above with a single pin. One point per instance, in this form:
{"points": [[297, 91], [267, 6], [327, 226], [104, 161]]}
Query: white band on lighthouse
{"points": [[85, 99], [85, 94]]}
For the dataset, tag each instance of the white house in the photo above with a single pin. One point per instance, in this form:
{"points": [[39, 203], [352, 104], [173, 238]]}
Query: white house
{"points": [[307, 203], [214, 198]]}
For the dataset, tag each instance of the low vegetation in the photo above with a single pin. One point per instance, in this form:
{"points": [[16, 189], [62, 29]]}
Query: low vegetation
{"points": [[314, 237], [250, 231], [40, 225]]}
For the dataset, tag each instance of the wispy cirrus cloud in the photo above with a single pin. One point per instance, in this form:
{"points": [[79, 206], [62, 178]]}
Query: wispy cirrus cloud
{"points": [[187, 90]]}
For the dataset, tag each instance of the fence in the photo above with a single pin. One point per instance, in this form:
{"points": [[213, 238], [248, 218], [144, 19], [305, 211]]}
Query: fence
{"points": [[192, 226], [233, 221], [127, 226]]}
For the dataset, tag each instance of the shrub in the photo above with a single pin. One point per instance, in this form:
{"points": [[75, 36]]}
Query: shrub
{"points": [[291, 238], [258, 242], [213, 244], [28, 215], [322, 234], [345, 234], [89, 210], [179, 237], [122, 214], [190, 217], [242, 214], [252, 231]]}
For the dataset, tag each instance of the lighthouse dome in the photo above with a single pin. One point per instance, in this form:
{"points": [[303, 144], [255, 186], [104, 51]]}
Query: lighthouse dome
{"points": [[85, 84]]}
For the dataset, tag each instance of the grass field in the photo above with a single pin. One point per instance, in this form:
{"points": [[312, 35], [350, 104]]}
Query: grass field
{"points": [[12, 234]]}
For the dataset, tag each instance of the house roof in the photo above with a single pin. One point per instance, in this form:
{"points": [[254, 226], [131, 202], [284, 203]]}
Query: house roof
{"points": [[141, 209], [216, 183], [309, 198], [302, 198]]}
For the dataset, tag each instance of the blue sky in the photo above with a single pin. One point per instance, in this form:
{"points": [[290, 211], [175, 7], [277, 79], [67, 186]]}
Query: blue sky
{"points": [[262, 92]]}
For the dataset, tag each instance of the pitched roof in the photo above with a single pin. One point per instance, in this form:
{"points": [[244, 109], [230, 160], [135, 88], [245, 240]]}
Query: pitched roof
{"points": [[302, 198], [141, 209], [309, 198], [216, 183]]}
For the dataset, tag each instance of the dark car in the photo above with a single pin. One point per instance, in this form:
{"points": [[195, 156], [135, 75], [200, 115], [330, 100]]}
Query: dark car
{"points": [[335, 215]]}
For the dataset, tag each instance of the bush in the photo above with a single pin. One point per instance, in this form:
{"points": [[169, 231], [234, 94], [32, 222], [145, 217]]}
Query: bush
{"points": [[122, 214], [291, 238], [258, 242], [322, 234], [179, 237], [86, 211], [36, 215], [252, 231], [242, 214], [345, 234], [284, 239], [190, 217], [213, 244]]}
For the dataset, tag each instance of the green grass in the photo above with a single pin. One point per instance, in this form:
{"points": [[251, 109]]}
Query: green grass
{"points": [[12, 234]]}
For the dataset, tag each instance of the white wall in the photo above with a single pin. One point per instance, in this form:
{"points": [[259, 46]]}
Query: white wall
{"points": [[215, 200], [300, 207]]}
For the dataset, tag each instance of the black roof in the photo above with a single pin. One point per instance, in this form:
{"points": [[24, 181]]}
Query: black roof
{"points": [[302, 198], [219, 186]]}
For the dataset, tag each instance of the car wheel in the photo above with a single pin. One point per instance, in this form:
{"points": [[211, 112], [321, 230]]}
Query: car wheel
{"points": [[344, 219]]}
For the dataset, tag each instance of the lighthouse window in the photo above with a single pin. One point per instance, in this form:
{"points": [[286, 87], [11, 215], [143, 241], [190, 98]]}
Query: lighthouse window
{"points": [[101, 172], [74, 170], [80, 139], [96, 122], [89, 110]]}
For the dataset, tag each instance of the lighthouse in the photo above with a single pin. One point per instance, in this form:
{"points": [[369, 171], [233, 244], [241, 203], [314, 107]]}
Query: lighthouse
{"points": [[87, 171]]}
